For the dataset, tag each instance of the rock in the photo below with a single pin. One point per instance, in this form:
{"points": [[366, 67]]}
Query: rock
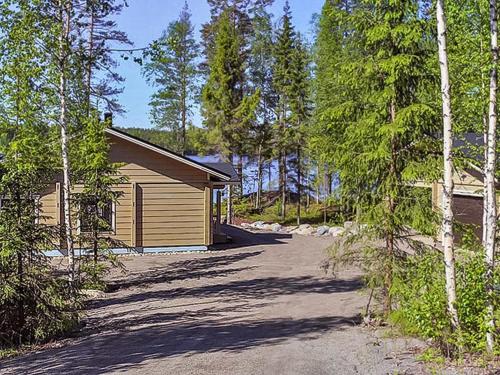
{"points": [[348, 225], [322, 230], [290, 229], [275, 227], [93, 293], [265, 227], [304, 229], [245, 225], [257, 224], [336, 231]]}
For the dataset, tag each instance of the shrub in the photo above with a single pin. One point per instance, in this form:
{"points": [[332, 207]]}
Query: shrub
{"points": [[419, 294]]}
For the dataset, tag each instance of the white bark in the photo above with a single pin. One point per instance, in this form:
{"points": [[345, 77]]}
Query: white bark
{"points": [[64, 13], [490, 211], [447, 225], [229, 210]]}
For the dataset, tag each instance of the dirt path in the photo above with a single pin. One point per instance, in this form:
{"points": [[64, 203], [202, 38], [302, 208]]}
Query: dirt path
{"points": [[262, 307]]}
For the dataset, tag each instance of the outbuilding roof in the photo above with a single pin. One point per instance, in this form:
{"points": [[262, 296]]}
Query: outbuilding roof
{"points": [[223, 172]]}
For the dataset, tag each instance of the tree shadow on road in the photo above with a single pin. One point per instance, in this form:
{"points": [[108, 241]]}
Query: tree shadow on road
{"points": [[168, 336], [267, 287], [187, 269]]}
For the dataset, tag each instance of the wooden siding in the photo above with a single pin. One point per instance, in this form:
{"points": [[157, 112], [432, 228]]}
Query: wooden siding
{"points": [[146, 166], [164, 202], [170, 215]]}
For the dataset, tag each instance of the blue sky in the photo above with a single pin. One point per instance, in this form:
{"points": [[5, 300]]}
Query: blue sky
{"points": [[144, 20]]}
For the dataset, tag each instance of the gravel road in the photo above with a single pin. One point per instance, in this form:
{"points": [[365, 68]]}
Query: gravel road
{"points": [[260, 306]]}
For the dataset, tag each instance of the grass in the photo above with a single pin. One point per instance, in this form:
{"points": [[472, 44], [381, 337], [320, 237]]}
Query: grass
{"points": [[314, 214]]}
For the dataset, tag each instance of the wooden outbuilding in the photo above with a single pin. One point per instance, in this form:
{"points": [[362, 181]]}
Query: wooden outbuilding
{"points": [[167, 204]]}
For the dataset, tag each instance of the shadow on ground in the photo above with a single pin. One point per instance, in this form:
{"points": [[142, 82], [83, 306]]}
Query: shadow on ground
{"points": [[244, 238], [266, 287], [173, 335], [182, 270]]}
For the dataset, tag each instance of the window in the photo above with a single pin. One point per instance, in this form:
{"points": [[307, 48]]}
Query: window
{"points": [[105, 214]]}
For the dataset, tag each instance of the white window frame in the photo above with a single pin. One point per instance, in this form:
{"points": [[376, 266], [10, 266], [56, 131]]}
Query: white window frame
{"points": [[112, 230]]}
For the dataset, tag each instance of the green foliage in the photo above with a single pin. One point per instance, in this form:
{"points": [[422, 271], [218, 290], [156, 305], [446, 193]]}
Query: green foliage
{"points": [[200, 141], [100, 192], [35, 302], [419, 293], [226, 106], [171, 67]]}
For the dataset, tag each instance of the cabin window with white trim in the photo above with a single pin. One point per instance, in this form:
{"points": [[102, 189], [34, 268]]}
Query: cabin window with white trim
{"points": [[106, 216]]}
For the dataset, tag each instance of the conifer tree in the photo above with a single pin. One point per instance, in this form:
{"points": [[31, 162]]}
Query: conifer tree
{"points": [[226, 107], [282, 82], [34, 303], [383, 121], [299, 110], [260, 77], [172, 69]]}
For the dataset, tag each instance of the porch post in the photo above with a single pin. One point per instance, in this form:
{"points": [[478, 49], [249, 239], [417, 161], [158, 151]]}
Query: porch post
{"points": [[218, 212]]}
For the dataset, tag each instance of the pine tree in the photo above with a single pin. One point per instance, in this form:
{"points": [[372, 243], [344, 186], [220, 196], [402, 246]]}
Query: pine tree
{"points": [[172, 68], [97, 32], [241, 13], [299, 110], [260, 77], [282, 82]]}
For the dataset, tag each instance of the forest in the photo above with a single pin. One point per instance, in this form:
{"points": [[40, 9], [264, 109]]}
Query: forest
{"points": [[357, 118]]}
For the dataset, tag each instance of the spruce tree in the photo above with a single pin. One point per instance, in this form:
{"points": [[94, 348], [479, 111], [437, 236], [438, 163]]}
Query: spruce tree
{"points": [[226, 107], [172, 69], [383, 124], [34, 302]]}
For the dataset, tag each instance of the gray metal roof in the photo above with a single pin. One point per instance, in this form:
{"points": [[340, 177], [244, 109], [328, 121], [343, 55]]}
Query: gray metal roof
{"points": [[225, 168]]}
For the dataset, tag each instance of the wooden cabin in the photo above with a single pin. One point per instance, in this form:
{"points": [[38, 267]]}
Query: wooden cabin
{"points": [[167, 203]]}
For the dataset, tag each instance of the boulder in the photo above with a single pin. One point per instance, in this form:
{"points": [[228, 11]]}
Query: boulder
{"points": [[336, 231], [322, 230], [304, 229], [276, 227], [257, 224], [245, 225]]}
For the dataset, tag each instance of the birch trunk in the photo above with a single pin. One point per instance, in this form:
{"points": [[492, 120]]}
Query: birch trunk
{"points": [[447, 224], [490, 206], [64, 13]]}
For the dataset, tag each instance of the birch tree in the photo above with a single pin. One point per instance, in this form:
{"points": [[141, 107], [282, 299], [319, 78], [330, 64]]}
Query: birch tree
{"points": [[64, 8], [447, 223], [490, 209]]}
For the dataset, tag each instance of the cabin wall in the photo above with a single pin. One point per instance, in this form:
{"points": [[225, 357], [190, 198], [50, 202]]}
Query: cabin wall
{"points": [[164, 203]]}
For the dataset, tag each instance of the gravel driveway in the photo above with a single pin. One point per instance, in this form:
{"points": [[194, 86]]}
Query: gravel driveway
{"points": [[261, 306]]}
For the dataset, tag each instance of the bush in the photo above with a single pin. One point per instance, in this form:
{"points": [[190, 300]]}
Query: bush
{"points": [[419, 294]]}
